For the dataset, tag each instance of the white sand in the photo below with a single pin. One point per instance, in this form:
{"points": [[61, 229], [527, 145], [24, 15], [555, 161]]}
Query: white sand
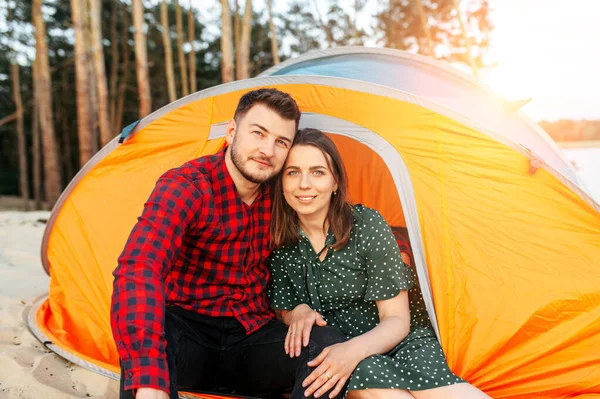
{"points": [[27, 368]]}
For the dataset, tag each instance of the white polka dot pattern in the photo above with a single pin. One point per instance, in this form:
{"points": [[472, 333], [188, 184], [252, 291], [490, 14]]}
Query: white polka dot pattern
{"points": [[344, 287]]}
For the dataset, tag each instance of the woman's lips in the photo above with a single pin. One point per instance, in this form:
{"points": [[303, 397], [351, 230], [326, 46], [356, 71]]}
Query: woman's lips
{"points": [[305, 199]]}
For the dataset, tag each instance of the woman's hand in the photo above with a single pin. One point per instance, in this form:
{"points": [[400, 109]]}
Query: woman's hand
{"points": [[334, 365], [300, 322]]}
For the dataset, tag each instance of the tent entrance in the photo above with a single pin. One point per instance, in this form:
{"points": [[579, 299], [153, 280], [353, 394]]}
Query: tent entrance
{"points": [[378, 178]]}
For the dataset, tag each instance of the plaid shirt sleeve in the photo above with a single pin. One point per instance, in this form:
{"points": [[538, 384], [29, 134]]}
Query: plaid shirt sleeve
{"points": [[403, 244], [138, 300]]}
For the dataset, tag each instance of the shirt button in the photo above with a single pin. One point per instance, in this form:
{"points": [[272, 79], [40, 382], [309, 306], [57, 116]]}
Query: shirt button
{"points": [[129, 375]]}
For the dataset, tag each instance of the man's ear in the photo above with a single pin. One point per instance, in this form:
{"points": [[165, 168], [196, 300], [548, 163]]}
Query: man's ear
{"points": [[230, 131]]}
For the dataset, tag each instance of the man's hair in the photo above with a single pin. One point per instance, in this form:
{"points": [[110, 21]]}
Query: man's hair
{"points": [[282, 103]]}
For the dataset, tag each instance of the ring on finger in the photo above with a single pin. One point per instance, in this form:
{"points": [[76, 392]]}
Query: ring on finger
{"points": [[328, 376], [293, 333]]}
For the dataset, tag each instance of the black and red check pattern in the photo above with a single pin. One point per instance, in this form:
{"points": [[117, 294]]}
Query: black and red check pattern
{"points": [[196, 246], [403, 243]]}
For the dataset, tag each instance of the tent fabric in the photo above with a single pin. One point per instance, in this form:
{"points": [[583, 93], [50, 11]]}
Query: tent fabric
{"points": [[511, 253], [387, 205], [431, 80], [502, 136]]}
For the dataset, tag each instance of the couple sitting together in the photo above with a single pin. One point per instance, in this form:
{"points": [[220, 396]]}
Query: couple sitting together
{"points": [[250, 273]]}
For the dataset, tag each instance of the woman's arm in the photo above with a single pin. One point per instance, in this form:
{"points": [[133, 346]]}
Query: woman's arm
{"points": [[394, 326], [337, 362]]}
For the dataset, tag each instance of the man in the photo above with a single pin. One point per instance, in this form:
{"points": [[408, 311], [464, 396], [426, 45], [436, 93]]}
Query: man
{"points": [[189, 307]]}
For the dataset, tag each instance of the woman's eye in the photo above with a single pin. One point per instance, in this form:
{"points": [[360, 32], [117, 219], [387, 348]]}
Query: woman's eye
{"points": [[292, 173], [318, 172]]}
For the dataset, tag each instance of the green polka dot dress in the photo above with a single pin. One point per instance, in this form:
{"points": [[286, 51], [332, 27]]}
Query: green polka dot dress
{"points": [[344, 287]]}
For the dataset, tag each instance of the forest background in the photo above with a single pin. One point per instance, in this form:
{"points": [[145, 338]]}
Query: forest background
{"points": [[73, 73]]}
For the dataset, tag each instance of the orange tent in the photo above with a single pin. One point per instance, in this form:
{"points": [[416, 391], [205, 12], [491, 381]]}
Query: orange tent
{"points": [[506, 241]]}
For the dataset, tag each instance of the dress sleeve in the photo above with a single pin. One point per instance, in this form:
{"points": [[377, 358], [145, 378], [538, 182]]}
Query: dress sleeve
{"points": [[387, 275], [282, 291]]}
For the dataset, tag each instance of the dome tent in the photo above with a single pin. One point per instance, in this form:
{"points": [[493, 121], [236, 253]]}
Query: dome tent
{"points": [[505, 240]]}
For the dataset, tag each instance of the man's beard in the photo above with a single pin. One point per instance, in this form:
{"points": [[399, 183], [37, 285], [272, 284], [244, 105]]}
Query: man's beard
{"points": [[238, 162]]}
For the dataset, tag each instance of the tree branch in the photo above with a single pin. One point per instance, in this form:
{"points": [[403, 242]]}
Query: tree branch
{"points": [[8, 118]]}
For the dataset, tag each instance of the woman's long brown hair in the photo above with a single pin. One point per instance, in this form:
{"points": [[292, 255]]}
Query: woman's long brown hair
{"points": [[340, 216]]}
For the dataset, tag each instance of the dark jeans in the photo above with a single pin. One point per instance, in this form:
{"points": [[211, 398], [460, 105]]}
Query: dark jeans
{"points": [[214, 354]]}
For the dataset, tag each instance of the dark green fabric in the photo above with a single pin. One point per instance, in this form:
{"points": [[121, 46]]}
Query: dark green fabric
{"points": [[344, 287]]}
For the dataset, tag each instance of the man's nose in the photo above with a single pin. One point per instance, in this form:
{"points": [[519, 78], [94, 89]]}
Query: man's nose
{"points": [[268, 148]]}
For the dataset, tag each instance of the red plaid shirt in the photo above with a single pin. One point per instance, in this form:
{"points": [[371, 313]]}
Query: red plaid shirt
{"points": [[196, 246]]}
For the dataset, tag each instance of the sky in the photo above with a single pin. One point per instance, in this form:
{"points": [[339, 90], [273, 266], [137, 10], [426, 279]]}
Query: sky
{"points": [[549, 51], [546, 50]]}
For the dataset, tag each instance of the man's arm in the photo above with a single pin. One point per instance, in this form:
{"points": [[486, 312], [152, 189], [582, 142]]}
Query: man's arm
{"points": [[138, 300]]}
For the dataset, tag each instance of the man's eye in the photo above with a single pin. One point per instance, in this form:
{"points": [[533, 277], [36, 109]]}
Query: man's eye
{"points": [[258, 133], [282, 143]]}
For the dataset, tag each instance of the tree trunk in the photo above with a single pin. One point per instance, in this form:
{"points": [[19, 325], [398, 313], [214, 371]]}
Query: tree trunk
{"points": [[226, 45], [106, 133], [114, 66], [166, 38], [93, 95], [182, 66], [52, 178], [465, 37], [236, 33], [82, 84], [36, 151], [141, 58], [274, 45], [21, 143], [66, 136], [420, 10], [192, 54], [23, 185], [125, 72], [243, 70], [60, 117]]}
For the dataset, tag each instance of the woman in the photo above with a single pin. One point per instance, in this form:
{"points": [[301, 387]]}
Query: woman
{"points": [[340, 265]]}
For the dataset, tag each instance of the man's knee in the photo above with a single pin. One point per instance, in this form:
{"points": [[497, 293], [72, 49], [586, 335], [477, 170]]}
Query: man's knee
{"points": [[323, 337]]}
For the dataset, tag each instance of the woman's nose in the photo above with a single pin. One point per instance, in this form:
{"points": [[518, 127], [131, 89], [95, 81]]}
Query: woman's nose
{"points": [[305, 181]]}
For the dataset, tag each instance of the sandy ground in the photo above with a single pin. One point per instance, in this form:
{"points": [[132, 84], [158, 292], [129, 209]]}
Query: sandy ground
{"points": [[27, 368]]}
